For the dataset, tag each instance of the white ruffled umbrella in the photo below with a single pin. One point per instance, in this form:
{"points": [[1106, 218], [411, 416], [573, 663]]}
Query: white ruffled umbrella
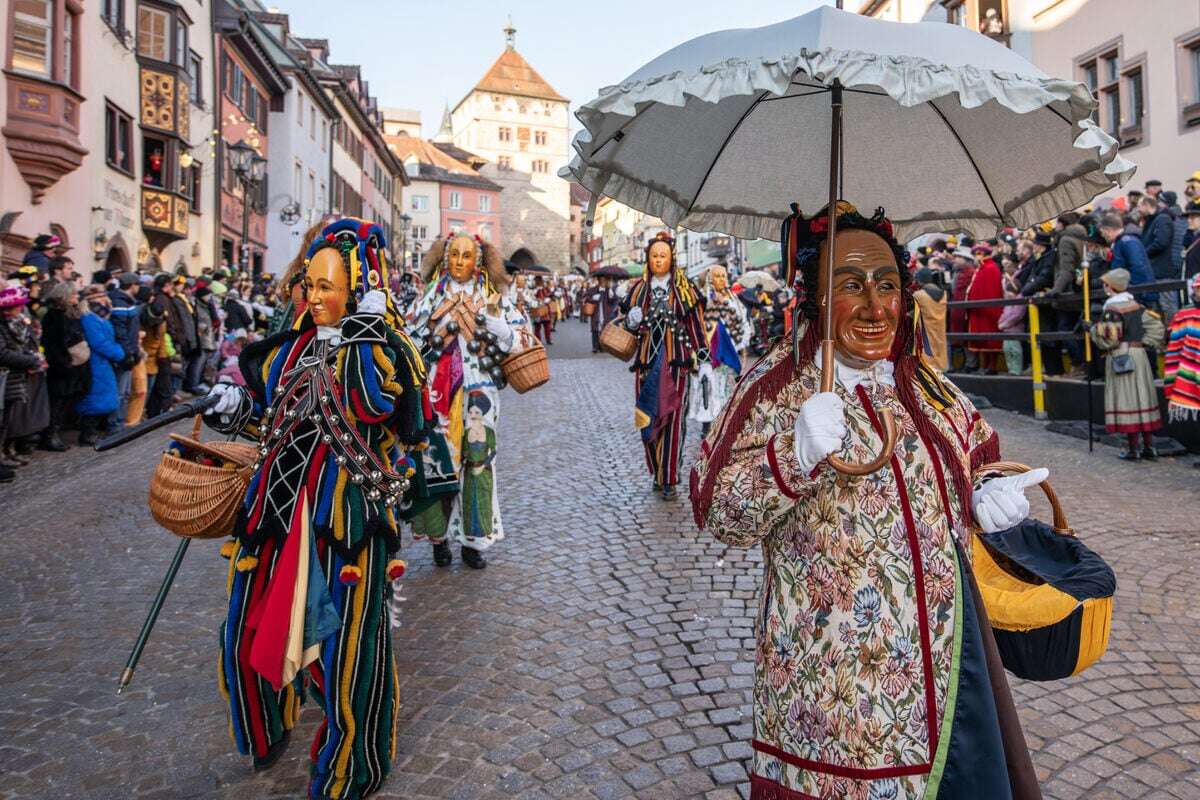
{"points": [[945, 128]]}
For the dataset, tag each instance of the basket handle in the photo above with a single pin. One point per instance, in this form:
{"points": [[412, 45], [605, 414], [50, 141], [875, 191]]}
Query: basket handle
{"points": [[1016, 468], [196, 422]]}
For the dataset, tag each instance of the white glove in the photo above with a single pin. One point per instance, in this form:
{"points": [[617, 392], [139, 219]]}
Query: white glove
{"points": [[373, 302], [634, 317], [820, 429], [1000, 503], [229, 398], [501, 330]]}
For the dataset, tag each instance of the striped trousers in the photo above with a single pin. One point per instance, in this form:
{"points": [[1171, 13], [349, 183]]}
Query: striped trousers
{"points": [[665, 450], [354, 678]]}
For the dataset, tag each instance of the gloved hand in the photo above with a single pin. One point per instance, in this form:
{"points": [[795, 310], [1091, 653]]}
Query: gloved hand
{"points": [[1000, 503], [499, 328], [819, 430], [229, 398], [373, 302], [634, 317]]}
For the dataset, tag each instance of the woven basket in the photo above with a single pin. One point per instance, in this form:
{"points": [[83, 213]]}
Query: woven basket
{"points": [[589, 308], [527, 369], [200, 500], [616, 341]]}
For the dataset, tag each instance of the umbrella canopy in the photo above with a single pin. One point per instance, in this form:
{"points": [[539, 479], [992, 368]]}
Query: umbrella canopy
{"points": [[759, 280], [945, 128], [537, 269], [633, 269], [610, 272]]}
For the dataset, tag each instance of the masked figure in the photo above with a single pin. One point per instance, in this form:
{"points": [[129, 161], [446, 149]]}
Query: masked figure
{"points": [[466, 325], [663, 310], [727, 328], [871, 673], [336, 405]]}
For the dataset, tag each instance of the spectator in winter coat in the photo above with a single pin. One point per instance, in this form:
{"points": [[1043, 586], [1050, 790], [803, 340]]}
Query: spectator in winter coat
{"points": [[964, 271], [18, 358], [1157, 234], [156, 343], [208, 336], [101, 400], [39, 252], [125, 319], [1129, 254], [1191, 256], [1069, 259], [67, 376]]}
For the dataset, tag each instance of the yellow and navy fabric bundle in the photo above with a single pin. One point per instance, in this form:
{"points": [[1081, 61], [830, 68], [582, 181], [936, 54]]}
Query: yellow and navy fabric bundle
{"points": [[1048, 597]]}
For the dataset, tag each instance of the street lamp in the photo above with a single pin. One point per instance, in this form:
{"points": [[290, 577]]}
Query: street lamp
{"points": [[405, 222], [250, 169]]}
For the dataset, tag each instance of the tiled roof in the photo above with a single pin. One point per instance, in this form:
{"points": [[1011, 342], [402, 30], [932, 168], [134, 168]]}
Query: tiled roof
{"points": [[512, 74]]}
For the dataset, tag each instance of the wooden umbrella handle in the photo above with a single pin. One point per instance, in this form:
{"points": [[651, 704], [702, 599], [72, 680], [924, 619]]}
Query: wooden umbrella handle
{"points": [[886, 418]]}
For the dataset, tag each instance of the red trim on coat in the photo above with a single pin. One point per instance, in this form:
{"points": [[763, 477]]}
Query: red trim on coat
{"points": [[766, 789], [773, 461], [837, 770], [914, 546]]}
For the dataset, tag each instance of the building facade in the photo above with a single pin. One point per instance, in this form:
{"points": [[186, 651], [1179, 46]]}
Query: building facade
{"points": [[519, 124]]}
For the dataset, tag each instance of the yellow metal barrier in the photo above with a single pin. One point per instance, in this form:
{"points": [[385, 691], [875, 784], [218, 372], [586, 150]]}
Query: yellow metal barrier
{"points": [[1039, 383]]}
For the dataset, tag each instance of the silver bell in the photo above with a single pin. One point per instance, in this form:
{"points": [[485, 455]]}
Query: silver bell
{"points": [[394, 486], [356, 478], [262, 451], [345, 438], [314, 418], [324, 399], [291, 413], [361, 458], [376, 475], [373, 494], [277, 432], [340, 460], [326, 438], [268, 411]]}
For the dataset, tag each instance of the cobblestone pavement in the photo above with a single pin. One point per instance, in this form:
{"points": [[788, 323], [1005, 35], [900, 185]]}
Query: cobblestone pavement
{"points": [[606, 652]]}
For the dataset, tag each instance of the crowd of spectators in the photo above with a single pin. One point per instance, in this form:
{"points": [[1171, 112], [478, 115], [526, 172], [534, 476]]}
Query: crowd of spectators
{"points": [[95, 353]]}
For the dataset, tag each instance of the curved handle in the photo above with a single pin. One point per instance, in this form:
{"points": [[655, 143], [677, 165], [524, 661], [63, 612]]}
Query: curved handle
{"points": [[886, 418], [1015, 468]]}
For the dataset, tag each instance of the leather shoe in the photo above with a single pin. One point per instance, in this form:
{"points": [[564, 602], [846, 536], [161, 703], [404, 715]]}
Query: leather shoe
{"points": [[1149, 454], [441, 554], [668, 493], [273, 753], [473, 558], [53, 444]]}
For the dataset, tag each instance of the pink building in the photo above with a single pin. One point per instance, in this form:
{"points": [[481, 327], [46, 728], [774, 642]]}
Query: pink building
{"points": [[471, 203]]}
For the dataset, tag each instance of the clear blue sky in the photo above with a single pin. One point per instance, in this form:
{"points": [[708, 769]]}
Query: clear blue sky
{"points": [[423, 53]]}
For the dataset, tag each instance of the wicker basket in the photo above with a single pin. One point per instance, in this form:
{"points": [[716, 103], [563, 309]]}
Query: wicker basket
{"points": [[616, 341], [198, 487], [527, 369], [589, 308]]}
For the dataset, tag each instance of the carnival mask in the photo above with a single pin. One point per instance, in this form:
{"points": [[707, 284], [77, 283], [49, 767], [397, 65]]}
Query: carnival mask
{"points": [[866, 296], [327, 284], [461, 259], [719, 278], [659, 259]]}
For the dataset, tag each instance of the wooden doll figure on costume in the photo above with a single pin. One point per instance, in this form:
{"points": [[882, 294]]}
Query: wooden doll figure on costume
{"points": [[335, 404], [465, 324], [871, 675], [663, 310]]}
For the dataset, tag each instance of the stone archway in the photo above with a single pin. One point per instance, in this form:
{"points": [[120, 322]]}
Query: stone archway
{"points": [[523, 258], [116, 254]]}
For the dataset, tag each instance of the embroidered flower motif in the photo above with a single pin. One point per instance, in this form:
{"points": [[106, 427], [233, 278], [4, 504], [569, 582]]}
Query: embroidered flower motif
{"points": [[866, 606]]}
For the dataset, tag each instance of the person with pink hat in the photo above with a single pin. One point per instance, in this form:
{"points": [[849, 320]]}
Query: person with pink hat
{"points": [[19, 357]]}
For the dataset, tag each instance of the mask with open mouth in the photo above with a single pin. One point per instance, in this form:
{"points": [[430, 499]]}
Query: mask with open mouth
{"points": [[867, 296]]}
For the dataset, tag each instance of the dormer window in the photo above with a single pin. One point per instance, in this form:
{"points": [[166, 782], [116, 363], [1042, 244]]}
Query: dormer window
{"points": [[162, 34]]}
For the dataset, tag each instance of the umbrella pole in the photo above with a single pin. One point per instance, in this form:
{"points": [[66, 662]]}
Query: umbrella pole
{"points": [[835, 162], [1087, 351]]}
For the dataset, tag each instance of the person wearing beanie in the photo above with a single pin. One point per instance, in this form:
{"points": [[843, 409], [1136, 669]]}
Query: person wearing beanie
{"points": [[1125, 330], [39, 252], [208, 336], [125, 319]]}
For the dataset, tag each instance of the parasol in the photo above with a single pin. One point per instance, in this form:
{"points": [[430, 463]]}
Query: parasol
{"points": [[759, 280], [610, 272], [537, 269], [946, 128]]}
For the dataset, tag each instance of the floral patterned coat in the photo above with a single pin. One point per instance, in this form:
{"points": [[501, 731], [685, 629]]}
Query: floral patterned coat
{"points": [[862, 599]]}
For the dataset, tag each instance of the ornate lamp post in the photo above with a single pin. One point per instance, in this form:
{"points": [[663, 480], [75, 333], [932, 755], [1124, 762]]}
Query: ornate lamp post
{"points": [[250, 169]]}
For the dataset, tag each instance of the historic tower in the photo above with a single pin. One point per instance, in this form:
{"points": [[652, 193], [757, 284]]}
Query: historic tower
{"points": [[518, 123]]}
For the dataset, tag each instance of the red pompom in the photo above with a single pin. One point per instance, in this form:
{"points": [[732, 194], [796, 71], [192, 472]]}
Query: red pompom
{"points": [[350, 575], [396, 569]]}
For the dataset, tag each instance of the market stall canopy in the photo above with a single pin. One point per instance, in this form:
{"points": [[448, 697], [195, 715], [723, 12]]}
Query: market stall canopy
{"points": [[945, 128]]}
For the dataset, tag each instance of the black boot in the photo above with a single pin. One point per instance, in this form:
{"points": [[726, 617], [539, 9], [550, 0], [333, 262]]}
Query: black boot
{"points": [[52, 442], [1130, 455], [1149, 453], [7, 474], [473, 558], [273, 753], [441, 554], [87, 431], [668, 493]]}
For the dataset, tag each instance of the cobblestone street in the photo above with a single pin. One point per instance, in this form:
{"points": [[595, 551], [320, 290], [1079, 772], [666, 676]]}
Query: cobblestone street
{"points": [[606, 651]]}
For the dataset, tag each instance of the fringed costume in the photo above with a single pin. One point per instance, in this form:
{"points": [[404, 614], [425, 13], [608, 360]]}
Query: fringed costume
{"points": [[465, 378], [872, 666], [1182, 381], [728, 330], [336, 412], [671, 343]]}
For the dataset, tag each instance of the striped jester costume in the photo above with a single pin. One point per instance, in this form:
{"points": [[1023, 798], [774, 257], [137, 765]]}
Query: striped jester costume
{"points": [[672, 342], [336, 412], [1182, 382]]}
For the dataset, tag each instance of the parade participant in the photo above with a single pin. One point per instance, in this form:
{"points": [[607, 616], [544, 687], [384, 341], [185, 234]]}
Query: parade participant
{"points": [[1181, 383], [464, 325], [335, 402], [540, 299], [606, 300], [663, 310], [873, 674], [1125, 330], [727, 330]]}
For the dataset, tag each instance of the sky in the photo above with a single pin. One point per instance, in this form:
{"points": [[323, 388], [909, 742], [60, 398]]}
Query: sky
{"points": [[424, 53]]}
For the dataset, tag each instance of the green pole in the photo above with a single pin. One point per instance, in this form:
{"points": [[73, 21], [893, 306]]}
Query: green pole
{"points": [[152, 617]]}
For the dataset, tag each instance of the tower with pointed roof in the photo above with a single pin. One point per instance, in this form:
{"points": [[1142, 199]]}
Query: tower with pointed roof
{"points": [[515, 120]]}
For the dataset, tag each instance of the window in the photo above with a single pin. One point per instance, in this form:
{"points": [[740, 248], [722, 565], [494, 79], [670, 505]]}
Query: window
{"points": [[153, 33], [1187, 69], [1101, 71], [180, 56], [504, 163], [420, 202], [195, 71], [300, 111], [324, 134], [541, 166], [485, 203], [539, 138], [312, 121], [297, 182], [312, 189], [156, 163], [234, 80], [1137, 107], [455, 201], [485, 231], [32, 43], [194, 177], [321, 198], [113, 13], [504, 134], [250, 104], [457, 226], [118, 139]]}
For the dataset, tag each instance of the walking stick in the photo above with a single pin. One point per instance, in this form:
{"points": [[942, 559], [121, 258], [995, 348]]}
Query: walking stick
{"points": [[1087, 350], [152, 617]]}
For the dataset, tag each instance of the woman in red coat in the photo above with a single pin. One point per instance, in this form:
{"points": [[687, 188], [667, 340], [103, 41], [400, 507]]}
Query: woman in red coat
{"points": [[987, 284]]}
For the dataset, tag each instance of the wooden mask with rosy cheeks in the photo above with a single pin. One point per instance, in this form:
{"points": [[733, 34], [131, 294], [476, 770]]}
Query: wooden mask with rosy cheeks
{"points": [[327, 286], [659, 259], [867, 296]]}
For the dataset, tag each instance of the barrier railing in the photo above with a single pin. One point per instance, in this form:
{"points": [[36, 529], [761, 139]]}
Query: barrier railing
{"points": [[1034, 334]]}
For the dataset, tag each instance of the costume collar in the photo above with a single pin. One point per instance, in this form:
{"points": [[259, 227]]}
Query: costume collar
{"points": [[326, 332], [660, 281], [880, 373]]}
